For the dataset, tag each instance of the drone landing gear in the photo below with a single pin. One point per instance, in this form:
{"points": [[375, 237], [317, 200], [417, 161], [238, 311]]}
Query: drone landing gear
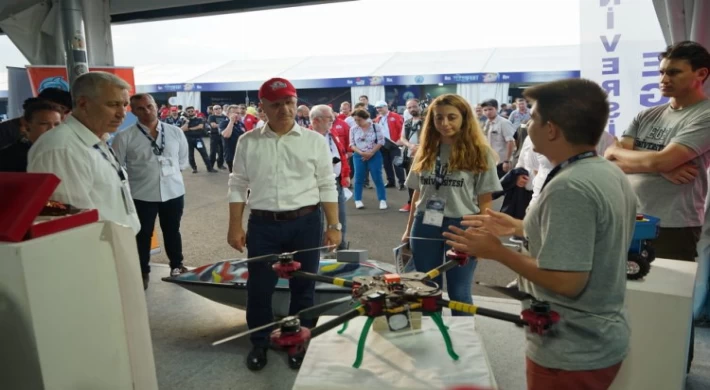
{"points": [[436, 317]]}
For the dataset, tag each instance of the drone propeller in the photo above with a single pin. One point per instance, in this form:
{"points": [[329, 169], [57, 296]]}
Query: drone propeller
{"points": [[307, 313], [274, 256], [512, 292]]}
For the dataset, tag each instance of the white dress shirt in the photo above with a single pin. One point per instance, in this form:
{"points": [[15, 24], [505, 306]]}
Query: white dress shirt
{"points": [[89, 177], [153, 178], [285, 172], [334, 152]]}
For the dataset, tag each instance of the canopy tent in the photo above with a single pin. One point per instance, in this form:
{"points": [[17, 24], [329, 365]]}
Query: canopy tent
{"points": [[527, 64]]}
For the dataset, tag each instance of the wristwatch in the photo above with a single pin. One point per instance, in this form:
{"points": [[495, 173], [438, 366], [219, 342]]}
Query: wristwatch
{"points": [[338, 226]]}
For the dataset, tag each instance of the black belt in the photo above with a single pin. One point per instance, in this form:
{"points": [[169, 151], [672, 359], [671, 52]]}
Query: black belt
{"points": [[285, 215]]}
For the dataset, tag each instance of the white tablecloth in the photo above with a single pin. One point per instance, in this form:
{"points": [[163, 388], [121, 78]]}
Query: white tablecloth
{"points": [[401, 360]]}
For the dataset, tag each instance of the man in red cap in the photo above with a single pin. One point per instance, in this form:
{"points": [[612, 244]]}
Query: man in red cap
{"points": [[289, 172]]}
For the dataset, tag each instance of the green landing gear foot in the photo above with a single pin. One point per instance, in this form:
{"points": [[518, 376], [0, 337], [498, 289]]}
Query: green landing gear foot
{"points": [[436, 317], [361, 342]]}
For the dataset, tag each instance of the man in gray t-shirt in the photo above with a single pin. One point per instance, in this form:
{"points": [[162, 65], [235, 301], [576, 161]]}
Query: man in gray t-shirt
{"points": [[666, 152], [578, 235]]}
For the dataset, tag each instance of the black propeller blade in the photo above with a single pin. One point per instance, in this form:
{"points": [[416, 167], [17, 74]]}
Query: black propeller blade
{"points": [[308, 313]]}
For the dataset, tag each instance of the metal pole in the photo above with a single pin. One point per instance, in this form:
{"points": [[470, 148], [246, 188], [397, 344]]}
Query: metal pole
{"points": [[74, 39]]}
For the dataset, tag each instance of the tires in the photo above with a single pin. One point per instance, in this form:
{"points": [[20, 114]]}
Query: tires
{"points": [[648, 252], [637, 267]]}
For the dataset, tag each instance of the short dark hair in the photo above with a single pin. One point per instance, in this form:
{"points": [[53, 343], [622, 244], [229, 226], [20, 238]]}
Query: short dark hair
{"points": [[412, 100], [693, 52], [140, 96], [361, 114], [579, 107], [189, 108], [30, 101], [56, 96], [490, 103], [40, 105], [364, 96]]}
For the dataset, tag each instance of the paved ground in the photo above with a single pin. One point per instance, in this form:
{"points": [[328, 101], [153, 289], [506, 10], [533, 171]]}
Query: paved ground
{"points": [[204, 227]]}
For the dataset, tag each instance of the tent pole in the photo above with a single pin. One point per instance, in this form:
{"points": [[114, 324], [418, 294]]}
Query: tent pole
{"points": [[74, 39]]}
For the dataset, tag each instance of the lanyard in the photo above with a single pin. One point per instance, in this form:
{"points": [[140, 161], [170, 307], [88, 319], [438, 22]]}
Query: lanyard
{"points": [[440, 172], [332, 143], [571, 160], [158, 151], [118, 168]]}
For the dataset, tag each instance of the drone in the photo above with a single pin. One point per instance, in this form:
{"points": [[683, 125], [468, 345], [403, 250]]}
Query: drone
{"points": [[394, 296]]}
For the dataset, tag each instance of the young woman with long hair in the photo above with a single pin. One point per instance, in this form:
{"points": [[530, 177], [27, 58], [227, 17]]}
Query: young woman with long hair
{"points": [[453, 174]]}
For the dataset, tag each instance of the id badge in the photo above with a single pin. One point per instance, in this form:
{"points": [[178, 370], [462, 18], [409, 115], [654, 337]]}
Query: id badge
{"points": [[199, 145], [434, 212], [127, 199], [166, 166]]}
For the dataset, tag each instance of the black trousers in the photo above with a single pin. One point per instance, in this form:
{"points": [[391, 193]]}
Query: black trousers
{"points": [[265, 237], [411, 191], [170, 214], [390, 170], [216, 150], [192, 145]]}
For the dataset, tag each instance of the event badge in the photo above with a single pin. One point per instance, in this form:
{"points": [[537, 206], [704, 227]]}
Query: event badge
{"points": [[434, 212], [166, 166], [199, 145]]}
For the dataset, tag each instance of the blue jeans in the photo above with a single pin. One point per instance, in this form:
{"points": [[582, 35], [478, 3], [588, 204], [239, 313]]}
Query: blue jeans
{"points": [[374, 164], [266, 237], [427, 255]]}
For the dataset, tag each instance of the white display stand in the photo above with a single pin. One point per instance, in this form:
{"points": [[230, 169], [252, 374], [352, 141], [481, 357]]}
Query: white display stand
{"points": [[73, 313], [396, 360], [660, 311]]}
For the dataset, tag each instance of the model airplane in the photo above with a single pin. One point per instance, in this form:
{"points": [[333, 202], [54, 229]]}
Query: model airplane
{"points": [[391, 295]]}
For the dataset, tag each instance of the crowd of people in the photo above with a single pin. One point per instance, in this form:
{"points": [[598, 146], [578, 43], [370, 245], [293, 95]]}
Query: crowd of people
{"points": [[572, 191]]}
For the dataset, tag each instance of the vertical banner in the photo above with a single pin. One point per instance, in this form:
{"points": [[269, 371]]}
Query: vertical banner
{"points": [[620, 42]]}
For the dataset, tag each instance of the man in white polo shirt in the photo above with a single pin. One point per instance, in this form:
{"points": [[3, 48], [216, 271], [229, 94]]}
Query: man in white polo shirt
{"points": [[91, 176], [289, 171], [500, 134], [154, 153]]}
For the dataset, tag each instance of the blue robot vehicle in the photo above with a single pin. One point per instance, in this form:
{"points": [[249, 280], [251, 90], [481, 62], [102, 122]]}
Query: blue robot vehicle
{"points": [[641, 253]]}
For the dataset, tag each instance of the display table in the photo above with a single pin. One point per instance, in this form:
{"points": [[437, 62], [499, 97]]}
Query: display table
{"points": [[401, 360], [73, 313], [660, 311]]}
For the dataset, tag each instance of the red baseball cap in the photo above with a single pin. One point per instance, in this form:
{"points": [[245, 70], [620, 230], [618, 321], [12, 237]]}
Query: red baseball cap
{"points": [[277, 88]]}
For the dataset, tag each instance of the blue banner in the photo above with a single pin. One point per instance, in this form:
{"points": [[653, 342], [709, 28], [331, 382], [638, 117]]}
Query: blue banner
{"points": [[459, 78]]}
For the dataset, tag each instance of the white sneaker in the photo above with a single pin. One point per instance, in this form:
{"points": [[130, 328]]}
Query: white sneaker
{"points": [[359, 205], [383, 205]]}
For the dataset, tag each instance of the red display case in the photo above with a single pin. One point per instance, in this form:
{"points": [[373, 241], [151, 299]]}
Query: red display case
{"points": [[23, 197]]}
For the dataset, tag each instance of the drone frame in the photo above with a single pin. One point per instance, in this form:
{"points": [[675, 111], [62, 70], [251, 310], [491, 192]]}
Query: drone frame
{"points": [[372, 302]]}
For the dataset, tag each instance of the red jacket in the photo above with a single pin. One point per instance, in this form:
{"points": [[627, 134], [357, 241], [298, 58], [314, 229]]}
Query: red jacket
{"points": [[344, 166], [394, 123], [250, 121], [341, 130], [341, 117]]}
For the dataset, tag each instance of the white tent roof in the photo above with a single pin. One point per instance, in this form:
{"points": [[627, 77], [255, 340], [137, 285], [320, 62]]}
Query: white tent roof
{"points": [[514, 59]]}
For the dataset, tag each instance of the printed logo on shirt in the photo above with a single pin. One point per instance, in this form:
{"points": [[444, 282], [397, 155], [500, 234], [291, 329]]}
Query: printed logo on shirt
{"points": [[430, 180], [655, 140]]}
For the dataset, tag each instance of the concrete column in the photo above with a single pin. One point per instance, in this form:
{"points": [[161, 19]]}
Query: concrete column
{"points": [[72, 21]]}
